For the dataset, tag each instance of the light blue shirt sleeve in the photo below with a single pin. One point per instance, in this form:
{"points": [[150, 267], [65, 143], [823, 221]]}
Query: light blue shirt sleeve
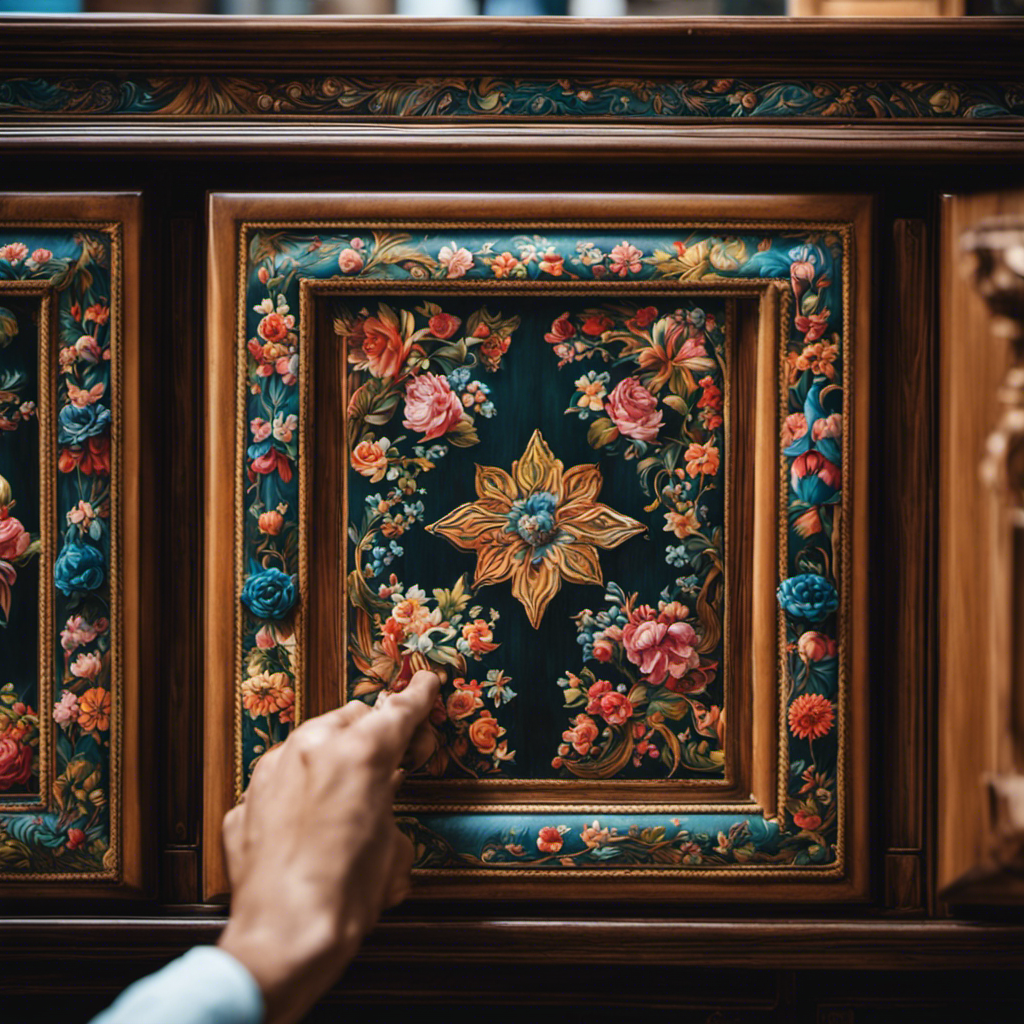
{"points": [[205, 986]]}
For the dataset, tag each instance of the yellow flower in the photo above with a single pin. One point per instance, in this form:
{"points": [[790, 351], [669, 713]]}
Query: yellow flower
{"points": [[537, 526]]}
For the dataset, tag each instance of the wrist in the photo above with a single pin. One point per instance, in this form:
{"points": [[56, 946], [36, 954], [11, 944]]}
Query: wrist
{"points": [[292, 970]]}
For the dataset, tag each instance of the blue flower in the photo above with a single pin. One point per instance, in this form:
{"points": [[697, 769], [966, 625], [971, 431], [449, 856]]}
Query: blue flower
{"points": [[269, 593], [79, 567], [76, 424], [808, 596]]}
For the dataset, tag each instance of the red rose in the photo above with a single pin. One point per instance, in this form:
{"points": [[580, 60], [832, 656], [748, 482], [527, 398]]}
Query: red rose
{"points": [[613, 707], [597, 324], [810, 822], [561, 330], [643, 317], [444, 325], [274, 327], [76, 837], [15, 763], [549, 839]]}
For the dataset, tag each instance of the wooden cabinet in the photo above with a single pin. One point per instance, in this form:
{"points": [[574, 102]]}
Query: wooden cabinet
{"points": [[683, 400], [394, 374]]}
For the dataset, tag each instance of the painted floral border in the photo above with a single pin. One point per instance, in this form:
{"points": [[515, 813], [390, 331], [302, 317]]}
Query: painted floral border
{"points": [[74, 835], [812, 263], [494, 96]]}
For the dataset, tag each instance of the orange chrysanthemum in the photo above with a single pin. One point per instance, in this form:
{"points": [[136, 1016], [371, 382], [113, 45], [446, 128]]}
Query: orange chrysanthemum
{"points": [[811, 716], [94, 710]]}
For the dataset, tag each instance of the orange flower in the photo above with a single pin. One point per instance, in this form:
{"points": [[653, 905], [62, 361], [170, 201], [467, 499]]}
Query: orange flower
{"points": [[536, 526], [94, 710], [682, 524], [479, 637], [701, 460], [369, 458], [811, 716], [503, 265], [266, 693], [484, 733]]}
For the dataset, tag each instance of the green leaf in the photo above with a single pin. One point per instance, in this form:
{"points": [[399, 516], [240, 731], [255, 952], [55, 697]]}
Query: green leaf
{"points": [[602, 431], [677, 403]]}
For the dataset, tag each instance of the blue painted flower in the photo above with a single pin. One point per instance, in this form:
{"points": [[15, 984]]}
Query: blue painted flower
{"points": [[533, 518], [808, 596], [78, 423], [268, 593], [79, 567]]}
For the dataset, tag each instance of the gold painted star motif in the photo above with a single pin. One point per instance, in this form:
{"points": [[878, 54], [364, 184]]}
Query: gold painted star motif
{"points": [[536, 526]]}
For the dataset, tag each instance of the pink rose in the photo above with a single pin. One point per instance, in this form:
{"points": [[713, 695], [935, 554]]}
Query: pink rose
{"points": [[42, 256], [86, 666], [813, 646], [661, 645], [15, 763], [582, 734], [431, 408], [350, 261], [613, 707], [634, 410], [14, 540]]}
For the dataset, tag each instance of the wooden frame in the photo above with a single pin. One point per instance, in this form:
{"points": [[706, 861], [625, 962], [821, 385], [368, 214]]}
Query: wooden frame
{"points": [[227, 216], [69, 220]]}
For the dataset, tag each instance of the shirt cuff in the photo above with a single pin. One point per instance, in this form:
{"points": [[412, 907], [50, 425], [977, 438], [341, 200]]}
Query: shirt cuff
{"points": [[205, 986]]}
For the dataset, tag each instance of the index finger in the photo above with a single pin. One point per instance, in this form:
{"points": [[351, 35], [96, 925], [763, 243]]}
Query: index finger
{"points": [[395, 722]]}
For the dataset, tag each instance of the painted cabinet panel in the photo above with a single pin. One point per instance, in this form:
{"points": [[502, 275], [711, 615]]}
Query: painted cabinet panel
{"points": [[69, 444], [598, 462]]}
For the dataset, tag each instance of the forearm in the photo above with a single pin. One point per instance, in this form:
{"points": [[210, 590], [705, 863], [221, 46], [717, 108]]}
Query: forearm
{"points": [[205, 986]]}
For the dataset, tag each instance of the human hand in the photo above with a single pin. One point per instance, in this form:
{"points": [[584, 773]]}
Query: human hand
{"points": [[313, 852]]}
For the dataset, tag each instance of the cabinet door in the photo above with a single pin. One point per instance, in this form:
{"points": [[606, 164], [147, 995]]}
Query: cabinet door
{"points": [[600, 463], [70, 602]]}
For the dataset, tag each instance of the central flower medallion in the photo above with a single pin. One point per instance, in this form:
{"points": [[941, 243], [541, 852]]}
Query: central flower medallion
{"points": [[537, 525]]}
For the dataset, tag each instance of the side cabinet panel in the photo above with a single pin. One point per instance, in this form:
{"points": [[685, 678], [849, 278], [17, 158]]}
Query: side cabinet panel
{"points": [[71, 606]]}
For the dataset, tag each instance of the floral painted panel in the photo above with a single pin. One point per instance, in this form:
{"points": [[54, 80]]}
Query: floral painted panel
{"points": [[494, 96], [542, 525], [581, 635], [58, 690]]}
